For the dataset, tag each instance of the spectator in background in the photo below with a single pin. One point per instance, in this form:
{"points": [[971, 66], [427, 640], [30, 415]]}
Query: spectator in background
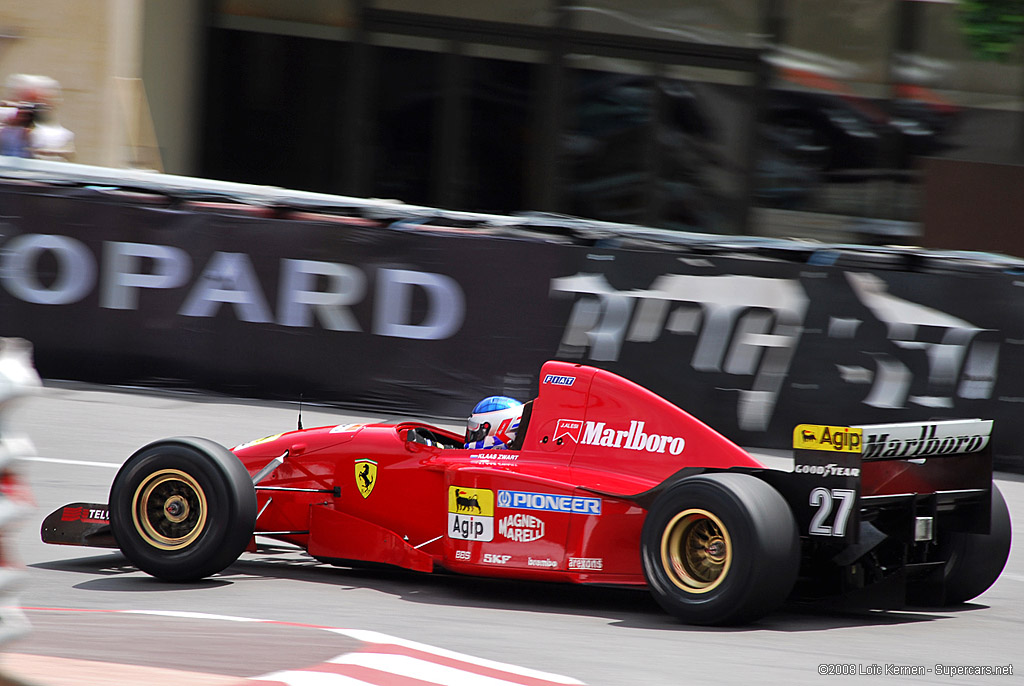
{"points": [[32, 102], [16, 134]]}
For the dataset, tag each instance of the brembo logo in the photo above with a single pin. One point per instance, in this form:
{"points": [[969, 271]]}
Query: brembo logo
{"points": [[633, 438]]}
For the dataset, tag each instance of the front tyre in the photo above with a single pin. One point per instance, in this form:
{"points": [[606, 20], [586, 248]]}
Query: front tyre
{"points": [[720, 549], [182, 509]]}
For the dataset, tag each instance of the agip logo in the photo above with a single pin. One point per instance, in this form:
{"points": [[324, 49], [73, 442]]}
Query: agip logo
{"points": [[470, 513], [842, 439]]}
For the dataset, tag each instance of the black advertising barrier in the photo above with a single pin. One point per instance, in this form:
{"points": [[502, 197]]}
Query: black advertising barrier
{"points": [[393, 313]]}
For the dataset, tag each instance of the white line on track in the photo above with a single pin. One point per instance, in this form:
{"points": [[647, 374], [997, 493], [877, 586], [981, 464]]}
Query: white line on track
{"points": [[83, 463], [393, 667], [374, 637]]}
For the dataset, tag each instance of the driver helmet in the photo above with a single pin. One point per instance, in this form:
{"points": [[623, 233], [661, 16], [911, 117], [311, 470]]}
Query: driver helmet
{"points": [[493, 423]]}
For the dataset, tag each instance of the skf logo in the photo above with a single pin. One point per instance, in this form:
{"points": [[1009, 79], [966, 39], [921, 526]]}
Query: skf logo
{"points": [[835, 438], [492, 559], [556, 380], [366, 476]]}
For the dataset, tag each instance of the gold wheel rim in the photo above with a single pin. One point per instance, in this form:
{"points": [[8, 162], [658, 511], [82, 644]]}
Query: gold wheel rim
{"points": [[696, 551], [169, 509]]}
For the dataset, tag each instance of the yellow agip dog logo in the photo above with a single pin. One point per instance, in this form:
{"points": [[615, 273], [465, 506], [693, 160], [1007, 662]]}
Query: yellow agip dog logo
{"points": [[471, 501], [833, 438], [366, 476]]}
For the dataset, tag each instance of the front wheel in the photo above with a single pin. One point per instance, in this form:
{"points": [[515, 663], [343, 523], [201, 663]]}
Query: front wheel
{"points": [[720, 549], [182, 509]]}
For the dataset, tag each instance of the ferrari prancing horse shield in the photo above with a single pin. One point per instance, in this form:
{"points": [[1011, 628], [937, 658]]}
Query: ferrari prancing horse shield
{"points": [[366, 476]]}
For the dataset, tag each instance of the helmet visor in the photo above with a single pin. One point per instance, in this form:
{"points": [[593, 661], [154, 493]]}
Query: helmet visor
{"points": [[476, 432]]}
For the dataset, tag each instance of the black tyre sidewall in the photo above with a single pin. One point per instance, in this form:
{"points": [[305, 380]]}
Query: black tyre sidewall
{"points": [[764, 540], [231, 502], [975, 561]]}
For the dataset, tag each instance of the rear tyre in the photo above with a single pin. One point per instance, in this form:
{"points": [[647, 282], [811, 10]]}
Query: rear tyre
{"points": [[182, 509], [720, 549], [973, 561]]}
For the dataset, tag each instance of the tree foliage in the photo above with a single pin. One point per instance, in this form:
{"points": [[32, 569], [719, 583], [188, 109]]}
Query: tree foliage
{"points": [[993, 28]]}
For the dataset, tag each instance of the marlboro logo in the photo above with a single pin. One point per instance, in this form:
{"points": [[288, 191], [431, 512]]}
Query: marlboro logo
{"points": [[898, 441], [633, 438]]}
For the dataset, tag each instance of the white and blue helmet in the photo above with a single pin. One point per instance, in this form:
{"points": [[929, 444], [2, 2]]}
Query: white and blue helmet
{"points": [[494, 422]]}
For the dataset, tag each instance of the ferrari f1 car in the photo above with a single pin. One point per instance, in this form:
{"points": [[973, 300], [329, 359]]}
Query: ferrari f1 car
{"points": [[605, 483]]}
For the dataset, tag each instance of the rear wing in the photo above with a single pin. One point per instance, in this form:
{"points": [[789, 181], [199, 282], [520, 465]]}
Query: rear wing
{"points": [[916, 472]]}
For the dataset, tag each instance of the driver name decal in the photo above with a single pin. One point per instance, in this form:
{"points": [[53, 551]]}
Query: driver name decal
{"points": [[470, 513], [568, 428]]}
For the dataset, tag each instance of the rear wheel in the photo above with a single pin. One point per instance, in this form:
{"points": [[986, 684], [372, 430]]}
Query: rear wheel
{"points": [[182, 509], [720, 549], [973, 561]]}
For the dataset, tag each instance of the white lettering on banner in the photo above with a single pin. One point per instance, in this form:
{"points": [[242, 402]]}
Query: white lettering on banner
{"points": [[957, 360], [445, 311], [169, 268], [76, 269], [228, 278], [309, 291], [298, 298], [745, 326]]}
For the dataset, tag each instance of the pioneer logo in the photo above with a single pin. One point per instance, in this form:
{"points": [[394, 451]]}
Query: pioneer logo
{"points": [[634, 438]]}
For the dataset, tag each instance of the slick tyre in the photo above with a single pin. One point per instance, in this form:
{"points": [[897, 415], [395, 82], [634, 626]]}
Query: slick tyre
{"points": [[720, 549], [975, 561], [182, 509]]}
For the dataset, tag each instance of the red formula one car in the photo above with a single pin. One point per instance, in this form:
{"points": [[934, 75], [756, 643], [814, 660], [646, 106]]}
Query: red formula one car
{"points": [[606, 483]]}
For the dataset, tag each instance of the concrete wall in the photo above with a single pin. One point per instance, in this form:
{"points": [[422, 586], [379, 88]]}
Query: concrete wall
{"points": [[85, 45], [171, 70]]}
